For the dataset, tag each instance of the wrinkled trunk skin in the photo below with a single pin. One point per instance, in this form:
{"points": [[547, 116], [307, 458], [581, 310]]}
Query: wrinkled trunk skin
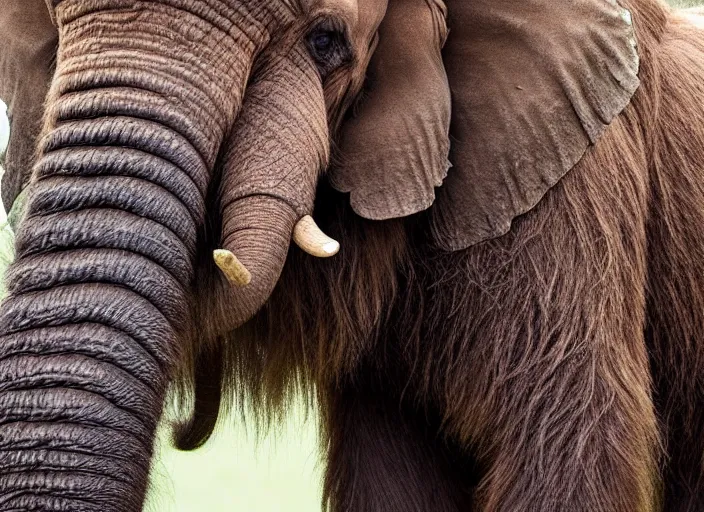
{"points": [[88, 334]]}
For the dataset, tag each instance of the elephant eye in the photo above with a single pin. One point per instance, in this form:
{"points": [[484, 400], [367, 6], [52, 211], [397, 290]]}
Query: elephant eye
{"points": [[329, 48], [322, 42]]}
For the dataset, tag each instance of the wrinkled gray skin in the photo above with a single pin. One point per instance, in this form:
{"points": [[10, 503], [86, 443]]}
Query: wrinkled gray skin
{"points": [[155, 107]]}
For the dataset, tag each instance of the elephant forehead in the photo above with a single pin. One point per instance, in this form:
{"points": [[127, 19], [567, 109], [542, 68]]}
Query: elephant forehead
{"points": [[371, 14], [362, 16], [348, 9]]}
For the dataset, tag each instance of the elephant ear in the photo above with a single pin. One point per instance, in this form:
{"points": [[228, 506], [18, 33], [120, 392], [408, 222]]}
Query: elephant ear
{"points": [[28, 42], [534, 84], [394, 151]]}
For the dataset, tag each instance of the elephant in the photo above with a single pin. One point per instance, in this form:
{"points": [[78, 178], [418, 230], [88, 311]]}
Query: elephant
{"points": [[513, 320]]}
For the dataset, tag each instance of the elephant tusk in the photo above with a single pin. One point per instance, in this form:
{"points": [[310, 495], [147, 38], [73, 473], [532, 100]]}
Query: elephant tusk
{"points": [[309, 237], [234, 270]]}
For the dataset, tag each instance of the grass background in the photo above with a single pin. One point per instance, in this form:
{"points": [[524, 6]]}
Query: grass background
{"points": [[236, 471]]}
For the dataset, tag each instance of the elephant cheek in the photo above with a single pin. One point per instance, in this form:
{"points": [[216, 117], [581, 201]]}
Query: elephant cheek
{"points": [[89, 333]]}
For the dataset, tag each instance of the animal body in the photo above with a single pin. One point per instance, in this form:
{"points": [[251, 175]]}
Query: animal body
{"points": [[514, 319]]}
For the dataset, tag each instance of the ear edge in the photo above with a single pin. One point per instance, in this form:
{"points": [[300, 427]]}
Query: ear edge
{"points": [[452, 242], [396, 204], [588, 88]]}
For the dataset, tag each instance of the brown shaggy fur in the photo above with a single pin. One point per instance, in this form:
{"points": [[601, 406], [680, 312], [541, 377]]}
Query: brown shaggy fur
{"points": [[557, 368]]}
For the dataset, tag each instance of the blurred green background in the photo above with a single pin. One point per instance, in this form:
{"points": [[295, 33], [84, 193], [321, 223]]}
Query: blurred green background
{"points": [[236, 470]]}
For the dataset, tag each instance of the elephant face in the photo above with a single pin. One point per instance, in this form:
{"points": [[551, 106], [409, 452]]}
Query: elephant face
{"points": [[238, 96]]}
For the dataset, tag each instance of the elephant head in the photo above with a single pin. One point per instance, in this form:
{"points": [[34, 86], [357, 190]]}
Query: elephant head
{"points": [[165, 122]]}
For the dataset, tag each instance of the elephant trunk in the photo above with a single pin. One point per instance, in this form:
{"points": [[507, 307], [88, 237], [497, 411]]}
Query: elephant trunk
{"points": [[89, 331], [278, 148]]}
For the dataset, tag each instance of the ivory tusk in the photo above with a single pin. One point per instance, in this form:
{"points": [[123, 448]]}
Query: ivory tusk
{"points": [[309, 237], [234, 270]]}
